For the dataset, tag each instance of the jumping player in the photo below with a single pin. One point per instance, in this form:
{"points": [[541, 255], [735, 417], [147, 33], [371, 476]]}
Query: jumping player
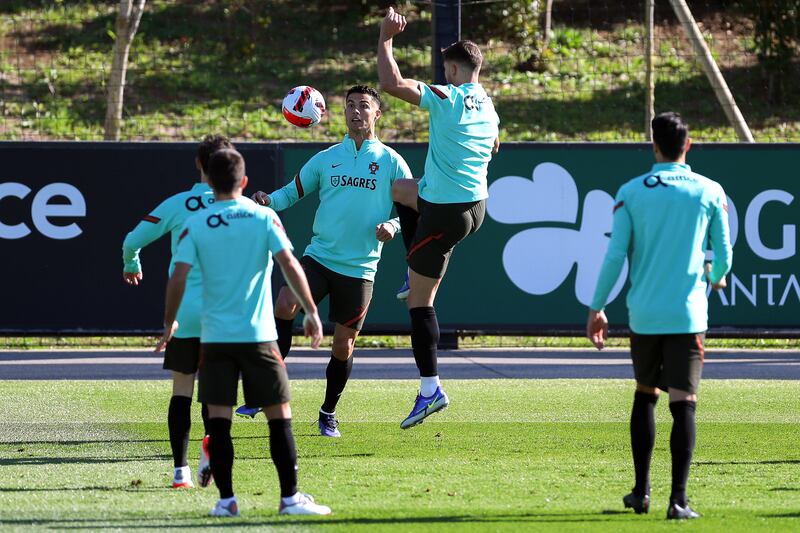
{"points": [[232, 243], [354, 179], [450, 201], [665, 218], [182, 352]]}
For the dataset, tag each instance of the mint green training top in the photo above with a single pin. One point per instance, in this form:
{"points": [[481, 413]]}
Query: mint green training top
{"points": [[666, 219], [355, 195], [170, 216], [232, 244], [463, 127]]}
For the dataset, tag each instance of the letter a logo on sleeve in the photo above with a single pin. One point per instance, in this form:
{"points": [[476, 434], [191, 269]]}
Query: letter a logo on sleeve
{"points": [[539, 259]]}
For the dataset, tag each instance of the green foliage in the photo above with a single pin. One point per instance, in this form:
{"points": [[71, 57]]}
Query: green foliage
{"points": [[777, 38], [225, 66]]}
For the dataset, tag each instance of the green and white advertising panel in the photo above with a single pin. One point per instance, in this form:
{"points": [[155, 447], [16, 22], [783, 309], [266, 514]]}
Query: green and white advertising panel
{"points": [[534, 263]]}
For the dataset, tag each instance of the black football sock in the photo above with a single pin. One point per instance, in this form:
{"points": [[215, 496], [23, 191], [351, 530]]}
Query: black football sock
{"points": [[643, 438], [681, 444], [220, 452], [408, 223], [284, 328], [204, 414], [338, 372], [179, 422], [424, 339], [284, 454]]}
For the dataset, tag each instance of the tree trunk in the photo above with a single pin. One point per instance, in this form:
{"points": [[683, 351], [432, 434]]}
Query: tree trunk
{"points": [[650, 83], [128, 17], [548, 22]]}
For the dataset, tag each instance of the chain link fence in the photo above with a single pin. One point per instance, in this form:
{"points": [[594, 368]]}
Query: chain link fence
{"points": [[224, 66]]}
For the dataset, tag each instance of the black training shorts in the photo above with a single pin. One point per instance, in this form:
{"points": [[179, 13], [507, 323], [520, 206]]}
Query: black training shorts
{"points": [[349, 297], [182, 355], [668, 361], [264, 378], [440, 228]]}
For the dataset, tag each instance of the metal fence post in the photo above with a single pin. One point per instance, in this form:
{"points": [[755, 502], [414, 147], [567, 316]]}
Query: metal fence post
{"points": [[446, 26]]}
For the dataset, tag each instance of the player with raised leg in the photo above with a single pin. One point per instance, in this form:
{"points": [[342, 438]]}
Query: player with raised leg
{"points": [[354, 179], [183, 351], [665, 218], [232, 244], [449, 203]]}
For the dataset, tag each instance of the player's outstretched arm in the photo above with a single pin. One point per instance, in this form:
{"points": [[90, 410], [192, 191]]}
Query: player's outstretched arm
{"points": [[296, 279], [152, 227], [175, 288], [389, 76]]}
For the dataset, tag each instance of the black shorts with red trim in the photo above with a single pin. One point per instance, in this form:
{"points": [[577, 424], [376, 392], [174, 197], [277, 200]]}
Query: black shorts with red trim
{"points": [[263, 372], [349, 297], [440, 228], [668, 361]]}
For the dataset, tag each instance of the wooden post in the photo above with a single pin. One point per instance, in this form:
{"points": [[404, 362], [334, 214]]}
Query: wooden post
{"points": [[128, 18], [548, 23], [650, 82], [712, 71]]}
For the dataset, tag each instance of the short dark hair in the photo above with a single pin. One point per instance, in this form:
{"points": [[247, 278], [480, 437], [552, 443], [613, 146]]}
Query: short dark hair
{"points": [[465, 52], [364, 89], [225, 170], [669, 134], [209, 145]]}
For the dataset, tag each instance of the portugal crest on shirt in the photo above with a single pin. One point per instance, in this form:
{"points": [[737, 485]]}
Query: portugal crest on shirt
{"points": [[335, 181], [373, 167]]}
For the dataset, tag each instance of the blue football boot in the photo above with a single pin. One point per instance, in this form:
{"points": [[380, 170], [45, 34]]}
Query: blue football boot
{"points": [[402, 292], [424, 407], [246, 412]]}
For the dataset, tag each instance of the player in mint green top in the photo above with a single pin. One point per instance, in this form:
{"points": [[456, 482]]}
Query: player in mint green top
{"points": [[664, 221], [232, 244], [354, 179], [463, 131], [449, 203], [183, 352], [235, 308]]}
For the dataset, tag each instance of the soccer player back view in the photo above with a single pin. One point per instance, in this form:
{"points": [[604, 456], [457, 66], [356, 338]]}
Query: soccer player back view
{"points": [[232, 244], [450, 201], [183, 351], [665, 218]]}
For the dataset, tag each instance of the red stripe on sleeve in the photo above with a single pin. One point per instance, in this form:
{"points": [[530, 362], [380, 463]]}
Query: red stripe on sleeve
{"points": [[725, 207], [151, 218], [299, 186], [438, 92], [618, 206], [183, 234]]}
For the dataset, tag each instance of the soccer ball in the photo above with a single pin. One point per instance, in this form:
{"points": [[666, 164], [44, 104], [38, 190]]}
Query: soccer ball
{"points": [[304, 106]]}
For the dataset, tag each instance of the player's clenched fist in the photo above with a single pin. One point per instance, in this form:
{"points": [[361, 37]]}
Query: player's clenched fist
{"points": [[384, 232], [392, 24], [261, 198]]}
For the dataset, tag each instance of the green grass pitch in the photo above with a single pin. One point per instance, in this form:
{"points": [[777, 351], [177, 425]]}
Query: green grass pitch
{"points": [[508, 455]]}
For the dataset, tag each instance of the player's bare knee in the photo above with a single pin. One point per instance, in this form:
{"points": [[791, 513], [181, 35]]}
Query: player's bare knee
{"points": [[286, 306], [277, 412], [342, 348], [646, 389], [182, 384], [676, 395]]}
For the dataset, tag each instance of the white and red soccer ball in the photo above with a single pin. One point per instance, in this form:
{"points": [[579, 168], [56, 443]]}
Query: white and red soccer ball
{"points": [[304, 106]]}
